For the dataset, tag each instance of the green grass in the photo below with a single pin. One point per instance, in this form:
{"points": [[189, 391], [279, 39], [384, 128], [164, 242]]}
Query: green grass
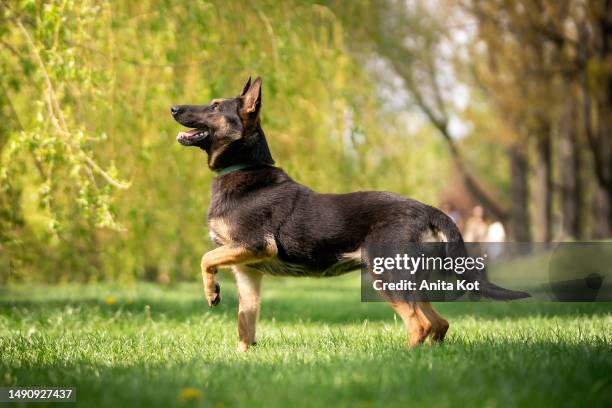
{"points": [[318, 345]]}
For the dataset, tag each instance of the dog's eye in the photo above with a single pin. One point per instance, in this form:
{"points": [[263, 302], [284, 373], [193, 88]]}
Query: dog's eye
{"points": [[215, 106]]}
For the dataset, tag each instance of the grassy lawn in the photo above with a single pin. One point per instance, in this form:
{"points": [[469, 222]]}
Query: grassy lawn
{"points": [[318, 345]]}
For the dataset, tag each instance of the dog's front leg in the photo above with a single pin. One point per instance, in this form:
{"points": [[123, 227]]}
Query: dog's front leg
{"points": [[212, 290], [229, 255], [248, 282]]}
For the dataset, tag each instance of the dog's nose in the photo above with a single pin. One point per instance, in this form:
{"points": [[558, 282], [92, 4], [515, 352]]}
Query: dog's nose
{"points": [[175, 110]]}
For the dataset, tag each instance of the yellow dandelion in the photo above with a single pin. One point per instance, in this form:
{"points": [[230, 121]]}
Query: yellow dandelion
{"points": [[189, 394], [110, 300]]}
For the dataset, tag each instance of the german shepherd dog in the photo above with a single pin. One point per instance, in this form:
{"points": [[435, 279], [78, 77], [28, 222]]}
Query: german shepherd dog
{"points": [[263, 222]]}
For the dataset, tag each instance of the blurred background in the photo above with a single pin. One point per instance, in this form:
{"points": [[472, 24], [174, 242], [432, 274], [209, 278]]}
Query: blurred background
{"points": [[496, 111]]}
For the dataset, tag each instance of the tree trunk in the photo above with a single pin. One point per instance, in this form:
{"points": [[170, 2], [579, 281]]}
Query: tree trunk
{"points": [[570, 161], [597, 118], [518, 223], [543, 191], [602, 213]]}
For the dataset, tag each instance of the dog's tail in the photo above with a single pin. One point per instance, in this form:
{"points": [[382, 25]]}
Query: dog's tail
{"points": [[455, 248]]}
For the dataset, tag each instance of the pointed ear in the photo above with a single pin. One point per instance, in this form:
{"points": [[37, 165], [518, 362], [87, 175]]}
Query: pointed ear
{"points": [[251, 100], [246, 87]]}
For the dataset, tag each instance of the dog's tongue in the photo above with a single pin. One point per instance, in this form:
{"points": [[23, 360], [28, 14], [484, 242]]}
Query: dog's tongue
{"points": [[188, 134]]}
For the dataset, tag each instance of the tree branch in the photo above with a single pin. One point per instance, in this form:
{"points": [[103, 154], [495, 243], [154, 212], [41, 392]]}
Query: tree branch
{"points": [[55, 111]]}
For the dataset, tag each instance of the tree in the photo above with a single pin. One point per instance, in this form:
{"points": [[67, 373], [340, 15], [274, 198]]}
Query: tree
{"points": [[551, 48], [409, 39]]}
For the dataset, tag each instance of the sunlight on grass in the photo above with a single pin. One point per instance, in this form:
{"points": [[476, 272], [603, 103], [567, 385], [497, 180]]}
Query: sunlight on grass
{"points": [[158, 346]]}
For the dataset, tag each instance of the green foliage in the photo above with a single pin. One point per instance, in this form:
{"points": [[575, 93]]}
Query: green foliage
{"points": [[145, 345], [90, 85]]}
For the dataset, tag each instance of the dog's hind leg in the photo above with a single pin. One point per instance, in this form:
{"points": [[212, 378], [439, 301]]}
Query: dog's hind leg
{"points": [[417, 328], [439, 325], [248, 282]]}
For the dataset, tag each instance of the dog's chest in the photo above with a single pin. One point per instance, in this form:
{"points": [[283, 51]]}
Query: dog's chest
{"points": [[219, 231]]}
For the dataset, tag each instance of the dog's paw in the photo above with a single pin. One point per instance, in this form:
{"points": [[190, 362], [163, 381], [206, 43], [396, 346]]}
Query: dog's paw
{"points": [[214, 298], [243, 346]]}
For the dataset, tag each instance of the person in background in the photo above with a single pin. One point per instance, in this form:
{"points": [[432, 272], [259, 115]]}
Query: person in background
{"points": [[496, 235], [496, 232], [476, 228]]}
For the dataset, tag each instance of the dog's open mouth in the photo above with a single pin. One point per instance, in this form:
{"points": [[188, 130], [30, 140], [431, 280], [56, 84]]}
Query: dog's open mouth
{"points": [[192, 136]]}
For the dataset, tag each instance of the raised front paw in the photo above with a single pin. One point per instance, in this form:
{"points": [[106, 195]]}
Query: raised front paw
{"points": [[214, 298]]}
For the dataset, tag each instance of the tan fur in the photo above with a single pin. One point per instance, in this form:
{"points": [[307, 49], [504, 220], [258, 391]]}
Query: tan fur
{"points": [[222, 126], [217, 153], [248, 282], [229, 255], [226, 128], [434, 236], [439, 325], [416, 328], [421, 322], [218, 100], [352, 255], [219, 230]]}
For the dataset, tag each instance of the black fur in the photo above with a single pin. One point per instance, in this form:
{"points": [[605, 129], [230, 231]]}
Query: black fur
{"points": [[310, 228]]}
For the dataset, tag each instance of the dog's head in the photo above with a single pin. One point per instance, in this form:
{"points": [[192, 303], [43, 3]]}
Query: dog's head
{"points": [[227, 129]]}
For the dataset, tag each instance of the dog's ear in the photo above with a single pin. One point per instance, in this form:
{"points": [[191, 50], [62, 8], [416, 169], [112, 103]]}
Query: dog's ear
{"points": [[251, 100], [246, 87]]}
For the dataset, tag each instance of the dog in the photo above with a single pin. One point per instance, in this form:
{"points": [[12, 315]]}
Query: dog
{"points": [[263, 222]]}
